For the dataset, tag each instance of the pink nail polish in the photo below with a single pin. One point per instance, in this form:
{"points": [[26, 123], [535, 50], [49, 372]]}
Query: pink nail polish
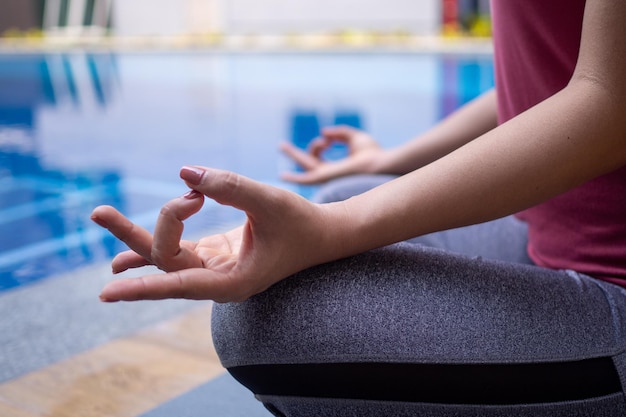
{"points": [[191, 194], [192, 174]]}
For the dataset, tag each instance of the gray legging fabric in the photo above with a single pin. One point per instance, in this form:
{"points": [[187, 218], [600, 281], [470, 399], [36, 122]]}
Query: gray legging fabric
{"points": [[467, 296]]}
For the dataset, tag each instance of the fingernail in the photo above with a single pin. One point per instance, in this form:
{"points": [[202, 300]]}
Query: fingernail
{"points": [[100, 222], [192, 174], [191, 194]]}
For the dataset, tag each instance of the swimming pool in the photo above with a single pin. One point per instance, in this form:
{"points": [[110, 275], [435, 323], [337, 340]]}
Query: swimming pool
{"points": [[82, 129]]}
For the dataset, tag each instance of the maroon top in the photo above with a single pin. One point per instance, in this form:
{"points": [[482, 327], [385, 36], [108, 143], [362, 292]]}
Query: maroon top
{"points": [[536, 48]]}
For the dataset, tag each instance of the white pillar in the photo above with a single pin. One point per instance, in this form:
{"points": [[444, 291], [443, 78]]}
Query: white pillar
{"points": [[51, 12], [76, 13], [101, 12]]}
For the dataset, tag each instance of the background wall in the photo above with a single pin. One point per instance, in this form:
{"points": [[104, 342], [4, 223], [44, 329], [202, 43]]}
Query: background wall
{"points": [[416, 16], [167, 17], [243, 17]]}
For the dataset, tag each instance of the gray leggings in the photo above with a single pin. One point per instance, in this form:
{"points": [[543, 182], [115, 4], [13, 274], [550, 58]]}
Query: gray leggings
{"points": [[457, 323]]}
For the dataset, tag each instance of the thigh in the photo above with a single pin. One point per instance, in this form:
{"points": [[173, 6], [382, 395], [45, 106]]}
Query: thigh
{"points": [[343, 188], [504, 239], [453, 323]]}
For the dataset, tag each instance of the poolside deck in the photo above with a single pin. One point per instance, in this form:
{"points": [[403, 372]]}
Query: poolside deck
{"points": [[64, 353], [125, 377], [342, 42]]}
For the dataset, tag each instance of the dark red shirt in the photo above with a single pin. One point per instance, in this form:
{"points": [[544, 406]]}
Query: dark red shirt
{"points": [[536, 48]]}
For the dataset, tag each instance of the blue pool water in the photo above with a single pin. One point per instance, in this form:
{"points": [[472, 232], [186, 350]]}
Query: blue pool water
{"points": [[78, 130]]}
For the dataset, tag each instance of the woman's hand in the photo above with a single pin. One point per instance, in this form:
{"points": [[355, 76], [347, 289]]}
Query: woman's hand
{"points": [[364, 153], [284, 233]]}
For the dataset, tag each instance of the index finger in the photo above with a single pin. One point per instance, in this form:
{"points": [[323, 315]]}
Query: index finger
{"points": [[302, 158], [136, 237]]}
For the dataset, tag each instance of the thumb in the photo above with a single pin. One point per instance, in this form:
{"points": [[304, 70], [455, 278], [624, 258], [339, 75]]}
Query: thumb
{"points": [[304, 178], [229, 188]]}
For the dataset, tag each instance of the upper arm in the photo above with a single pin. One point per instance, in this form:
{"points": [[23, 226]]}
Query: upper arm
{"points": [[599, 82], [602, 58]]}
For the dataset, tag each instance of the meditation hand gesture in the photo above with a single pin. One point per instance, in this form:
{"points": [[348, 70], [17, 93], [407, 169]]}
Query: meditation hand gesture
{"points": [[282, 235], [364, 153]]}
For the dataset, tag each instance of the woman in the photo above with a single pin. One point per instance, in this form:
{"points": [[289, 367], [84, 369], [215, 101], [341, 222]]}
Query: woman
{"points": [[411, 329]]}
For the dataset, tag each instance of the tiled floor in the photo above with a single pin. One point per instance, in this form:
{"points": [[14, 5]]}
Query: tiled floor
{"points": [[124, 377]]}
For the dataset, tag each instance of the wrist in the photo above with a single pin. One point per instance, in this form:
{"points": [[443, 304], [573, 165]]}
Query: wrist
{"points": [[341, 232], [372, 161], [387, 162]]}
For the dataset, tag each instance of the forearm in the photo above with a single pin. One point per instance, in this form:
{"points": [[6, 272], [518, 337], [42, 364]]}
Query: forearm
{"points": [[568, 139], [466, 124]]}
